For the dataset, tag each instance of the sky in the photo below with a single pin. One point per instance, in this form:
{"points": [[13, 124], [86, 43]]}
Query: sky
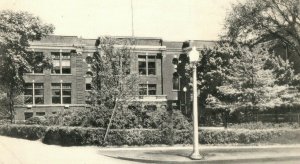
{"points": [[174, 20]]}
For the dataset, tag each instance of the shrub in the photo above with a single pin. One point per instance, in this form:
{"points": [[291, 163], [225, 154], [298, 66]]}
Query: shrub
{"points": [[36, 120], [69, 136], [31, 132], [260, 125]]}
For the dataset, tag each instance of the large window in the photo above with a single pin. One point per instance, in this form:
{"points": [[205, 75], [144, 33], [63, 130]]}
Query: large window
{"points": [[61, 93], [34, 93], [147, 65], [61, 63], [147, 89]]}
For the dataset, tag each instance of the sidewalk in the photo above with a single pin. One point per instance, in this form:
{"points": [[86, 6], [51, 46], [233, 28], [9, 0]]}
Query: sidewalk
{"points": [[211, 154]]}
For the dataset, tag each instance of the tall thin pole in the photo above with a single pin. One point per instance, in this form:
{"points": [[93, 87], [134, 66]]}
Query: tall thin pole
{"points": [[132, 28], [195, 154]]}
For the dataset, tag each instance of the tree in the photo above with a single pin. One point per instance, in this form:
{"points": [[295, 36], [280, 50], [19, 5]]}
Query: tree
{"points": [[113, 85], [275, 22], [232, 77], [16, 30], [253, 83]]}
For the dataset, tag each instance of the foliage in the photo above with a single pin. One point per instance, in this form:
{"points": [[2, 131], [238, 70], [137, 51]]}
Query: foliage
{"points": [[16, 30], [236, 77], [31, 132], [130, 117], [274, 22], [35, 120], [112, 83], [69, 136], [260, 125]]}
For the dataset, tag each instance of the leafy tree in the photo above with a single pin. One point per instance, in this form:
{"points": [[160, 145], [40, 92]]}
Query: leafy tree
{"points": [[16, 30], [256, 21], [237, 77], [255, 80], [113, 84]]}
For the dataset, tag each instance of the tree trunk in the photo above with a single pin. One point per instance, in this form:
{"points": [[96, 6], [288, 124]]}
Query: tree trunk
{"points": [[109, 124], [11, 105]]}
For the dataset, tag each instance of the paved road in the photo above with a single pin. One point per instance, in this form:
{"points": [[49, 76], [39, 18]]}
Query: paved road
{"points": [[20, 151]]}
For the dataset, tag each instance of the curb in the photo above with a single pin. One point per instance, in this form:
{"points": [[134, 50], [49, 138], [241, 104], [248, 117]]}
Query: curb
{"points": [[203, 161]]}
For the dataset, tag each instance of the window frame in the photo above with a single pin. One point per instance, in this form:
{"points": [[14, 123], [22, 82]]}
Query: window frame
{"points": [[61, 88], [145, 60], [60, 58], [31, 87]]}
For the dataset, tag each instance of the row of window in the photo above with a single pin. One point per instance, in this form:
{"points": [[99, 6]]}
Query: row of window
{"points": [[62, 64], [60, 93]]}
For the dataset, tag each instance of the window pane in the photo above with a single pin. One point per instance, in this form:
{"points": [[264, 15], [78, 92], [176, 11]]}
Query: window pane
{"points": [[151, 58], [38, 85], [66, 92], [39, 100], [39, 92], [28, 115], [88, 87], [66, 70], [55, 85], [66, 100], [143, 89], [142, 58], [66, 55], [152, 89], [176, 82], [55, 63], [151, 64], [151, 71], [55, 55], [28, 100], [28, 85], [65, 63], [28, 92], [55, 92], [40, 113], [66, 85], [89, 60], [55, 100], [56, 70]]}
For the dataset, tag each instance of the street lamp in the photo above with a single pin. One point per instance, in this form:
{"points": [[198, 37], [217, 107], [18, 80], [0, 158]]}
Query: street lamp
{"points": [[194, 58]]}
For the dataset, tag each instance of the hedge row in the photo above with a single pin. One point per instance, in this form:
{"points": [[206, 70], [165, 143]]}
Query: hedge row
{"points": [[68, 136]]}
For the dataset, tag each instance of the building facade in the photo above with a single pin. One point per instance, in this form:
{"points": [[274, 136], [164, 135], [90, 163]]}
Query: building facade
{"points": [[66, 85]]}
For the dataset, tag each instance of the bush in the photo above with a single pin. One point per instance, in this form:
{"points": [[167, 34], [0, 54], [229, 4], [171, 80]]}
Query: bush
{"points": [[36, 120], [69, 136], [260, 125], [31, 132]]}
